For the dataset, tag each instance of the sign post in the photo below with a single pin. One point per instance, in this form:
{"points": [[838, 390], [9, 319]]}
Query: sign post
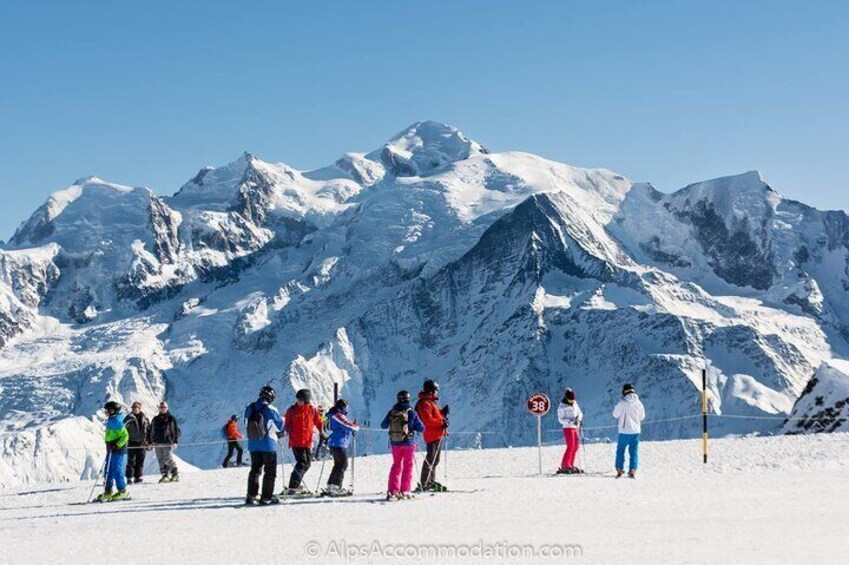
{"points": [[538, 405]]}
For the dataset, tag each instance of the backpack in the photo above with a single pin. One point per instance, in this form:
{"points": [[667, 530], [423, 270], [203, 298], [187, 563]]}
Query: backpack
{"points": [[257, 428], [399, 425], [224, 431]]}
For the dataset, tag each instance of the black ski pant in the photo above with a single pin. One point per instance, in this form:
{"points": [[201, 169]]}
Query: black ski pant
{"points": [[233, 445], [340, 465], [135, 460], [303, 460], [434, 448], [262, 462]]}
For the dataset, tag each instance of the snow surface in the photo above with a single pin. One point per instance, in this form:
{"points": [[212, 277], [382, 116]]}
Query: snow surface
{"points": [[760, 500]]}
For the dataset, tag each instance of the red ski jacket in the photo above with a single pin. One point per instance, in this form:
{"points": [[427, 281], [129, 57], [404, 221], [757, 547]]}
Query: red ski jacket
{"points": [[431, 417], [300, 423], [232, 430]]}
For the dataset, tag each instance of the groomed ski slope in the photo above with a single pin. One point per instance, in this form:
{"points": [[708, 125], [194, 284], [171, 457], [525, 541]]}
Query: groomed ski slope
{"points": [[759, 500]]}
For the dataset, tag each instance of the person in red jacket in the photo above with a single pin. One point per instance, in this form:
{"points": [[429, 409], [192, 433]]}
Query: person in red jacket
{"points": [[231, 432], [435, 421], [301, 419]]}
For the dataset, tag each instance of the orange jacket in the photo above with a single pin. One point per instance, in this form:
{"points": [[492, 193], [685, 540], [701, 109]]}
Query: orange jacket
{"points": [[232, 430], [300, 423], [432, 418]]}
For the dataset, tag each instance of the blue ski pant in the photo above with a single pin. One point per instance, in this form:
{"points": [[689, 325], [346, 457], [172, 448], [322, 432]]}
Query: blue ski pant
{"points": [[632, 443], [115, 470]]}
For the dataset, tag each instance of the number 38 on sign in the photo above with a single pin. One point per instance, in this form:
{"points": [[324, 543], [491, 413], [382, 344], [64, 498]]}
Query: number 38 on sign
{"points": [[538, 404]]}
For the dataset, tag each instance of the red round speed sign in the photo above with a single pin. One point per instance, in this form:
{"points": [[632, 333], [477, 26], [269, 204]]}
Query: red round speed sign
{"points": [[538, 404]]}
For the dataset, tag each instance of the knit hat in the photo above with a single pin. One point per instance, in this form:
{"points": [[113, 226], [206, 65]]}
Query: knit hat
{"points": [[628, 388], [570, 395]]}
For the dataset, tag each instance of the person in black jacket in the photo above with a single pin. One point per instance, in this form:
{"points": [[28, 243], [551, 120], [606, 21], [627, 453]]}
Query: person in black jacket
{"points": [[164, 433], [137, 426]]}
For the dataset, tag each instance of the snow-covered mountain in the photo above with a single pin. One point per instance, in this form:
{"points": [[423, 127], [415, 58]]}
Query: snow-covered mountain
{"points": [[498, 273]]}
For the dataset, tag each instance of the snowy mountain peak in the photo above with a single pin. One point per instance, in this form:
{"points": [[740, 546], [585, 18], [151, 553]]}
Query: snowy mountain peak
{"points": [[40, 223], [425, 148]]}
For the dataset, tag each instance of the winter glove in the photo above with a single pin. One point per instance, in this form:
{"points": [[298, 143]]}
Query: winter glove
{"points": [[445, 410], [445, 424], [114, 448], [281, 435]]}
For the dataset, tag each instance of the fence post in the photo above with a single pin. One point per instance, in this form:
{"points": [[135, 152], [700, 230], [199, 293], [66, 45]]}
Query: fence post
{"points": [[704, 416]]}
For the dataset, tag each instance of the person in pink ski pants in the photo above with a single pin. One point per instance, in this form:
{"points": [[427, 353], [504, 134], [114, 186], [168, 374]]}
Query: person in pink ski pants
{"points": [[402, 423], [569, 414]]}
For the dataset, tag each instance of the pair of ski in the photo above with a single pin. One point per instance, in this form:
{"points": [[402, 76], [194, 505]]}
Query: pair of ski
{"points": [[282, 498]]}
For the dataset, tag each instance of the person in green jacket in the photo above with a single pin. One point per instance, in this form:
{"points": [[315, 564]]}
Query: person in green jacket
{"points": [[116, 438]]}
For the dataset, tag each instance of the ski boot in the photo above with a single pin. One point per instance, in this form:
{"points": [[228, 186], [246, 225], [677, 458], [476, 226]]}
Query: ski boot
{"points": [[105, 496], [619, 473], [297, 492], [251, 500], [632, 474], [165, 478], [120, 495], [271, 500], [393, 496], [406, 496], [175, 478]]}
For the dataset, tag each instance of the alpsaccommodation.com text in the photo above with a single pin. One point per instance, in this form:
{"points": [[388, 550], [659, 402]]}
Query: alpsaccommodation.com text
{"points": [[350, 552]]}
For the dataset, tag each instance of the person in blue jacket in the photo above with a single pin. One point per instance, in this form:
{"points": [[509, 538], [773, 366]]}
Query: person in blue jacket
{"points": [[402, 423], [262, 419], [341, 432]]}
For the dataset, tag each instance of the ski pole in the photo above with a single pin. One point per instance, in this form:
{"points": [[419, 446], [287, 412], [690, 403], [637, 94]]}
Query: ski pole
{"points": [[282, 469], [447, 448], [582, 447], [353, 462], [100, 473], [430, 462], [320, 474]]}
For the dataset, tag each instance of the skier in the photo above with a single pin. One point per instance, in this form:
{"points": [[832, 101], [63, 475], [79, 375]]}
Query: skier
{"points": [[321, 446], [137, 426], [301, 419], [435, 421], [629, 411], [231, 432], [116, 454], [341, 431], [261, 416], [570, 416], [164, 434], [402, 423]]}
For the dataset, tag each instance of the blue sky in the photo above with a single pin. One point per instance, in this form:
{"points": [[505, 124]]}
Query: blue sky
{"points": [[666, 92]]}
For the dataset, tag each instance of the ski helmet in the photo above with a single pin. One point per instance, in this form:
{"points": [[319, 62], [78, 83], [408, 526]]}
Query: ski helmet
{"points": [[403, 396], [430, 386], [570, 395], [628, 388], [112, 407], [304, 395], [267, 393], [234, 417]]}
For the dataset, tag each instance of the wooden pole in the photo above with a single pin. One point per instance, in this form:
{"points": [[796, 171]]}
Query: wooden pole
{"points": [[335, 392], [704, 416]]}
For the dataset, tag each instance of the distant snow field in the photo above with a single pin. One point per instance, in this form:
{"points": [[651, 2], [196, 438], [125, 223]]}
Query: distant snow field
{"points": [[759, 500]]}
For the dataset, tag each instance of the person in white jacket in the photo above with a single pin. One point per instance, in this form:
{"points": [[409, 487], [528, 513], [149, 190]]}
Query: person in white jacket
{"points": [[629, 412], [569, 414]]}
